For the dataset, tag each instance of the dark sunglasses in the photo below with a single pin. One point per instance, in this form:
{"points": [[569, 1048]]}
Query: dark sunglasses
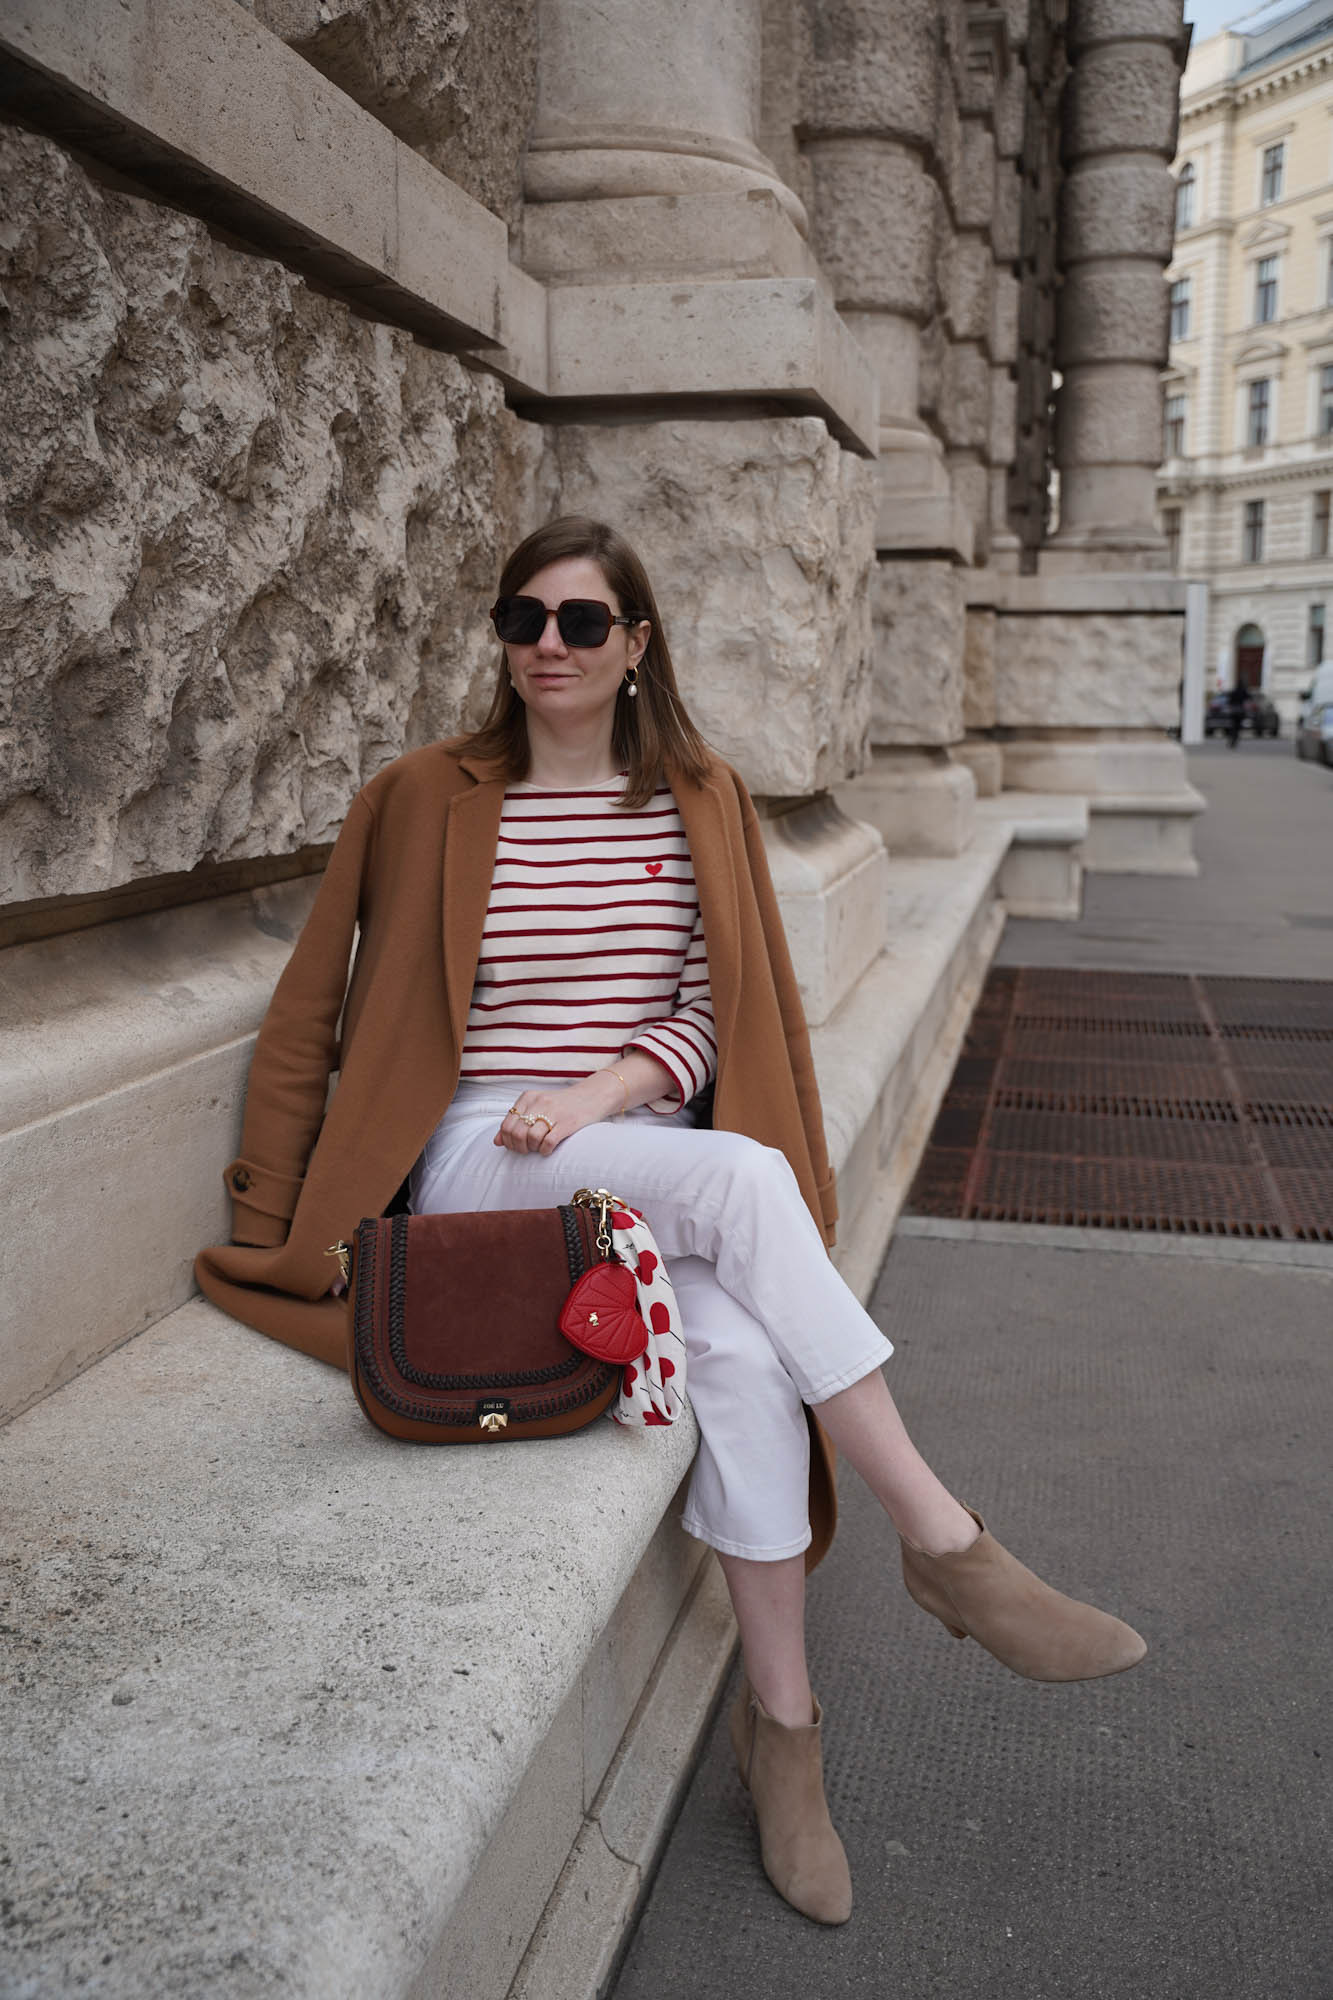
{"points": [[580, 621]]}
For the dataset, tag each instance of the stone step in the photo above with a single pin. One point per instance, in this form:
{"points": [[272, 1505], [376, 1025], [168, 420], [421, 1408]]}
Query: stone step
{"points": [[291, 1706], [1042, 872]]}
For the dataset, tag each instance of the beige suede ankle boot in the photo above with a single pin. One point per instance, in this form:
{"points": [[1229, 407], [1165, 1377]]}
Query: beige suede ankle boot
{"points": [[782, 1769], [984, 1593]]}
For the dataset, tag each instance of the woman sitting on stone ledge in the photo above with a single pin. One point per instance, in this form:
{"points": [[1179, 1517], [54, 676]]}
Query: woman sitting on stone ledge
{"points": [[569, 944]]}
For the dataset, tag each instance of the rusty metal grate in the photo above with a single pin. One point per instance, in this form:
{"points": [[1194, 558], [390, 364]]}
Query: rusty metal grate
{"points": [[1202, 1106]]}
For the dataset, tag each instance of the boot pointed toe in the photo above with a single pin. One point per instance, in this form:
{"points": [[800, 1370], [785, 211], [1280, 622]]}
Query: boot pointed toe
{"points": [[984, 1593], [782, 1769]]}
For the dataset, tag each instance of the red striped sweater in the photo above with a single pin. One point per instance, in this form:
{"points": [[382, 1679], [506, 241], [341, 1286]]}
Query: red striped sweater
{"points": [[593, 944]]}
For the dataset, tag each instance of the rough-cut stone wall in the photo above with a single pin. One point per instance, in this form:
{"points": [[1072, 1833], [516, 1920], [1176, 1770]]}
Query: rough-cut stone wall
{"points": [[919, 628], [252, 540], [1088, 671], [454, 79], [758, 536]]}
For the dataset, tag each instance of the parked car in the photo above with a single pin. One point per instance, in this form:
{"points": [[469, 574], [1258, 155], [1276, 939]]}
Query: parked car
{"points": [[1314, 724], [1260, 716]]}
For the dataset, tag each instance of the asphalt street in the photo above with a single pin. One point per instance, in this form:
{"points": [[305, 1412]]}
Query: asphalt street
{"points": [[1151, 1431]]}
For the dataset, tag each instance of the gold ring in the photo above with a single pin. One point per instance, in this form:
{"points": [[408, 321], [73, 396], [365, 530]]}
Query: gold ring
{"points": [[542, 1119], [528, 1117]]}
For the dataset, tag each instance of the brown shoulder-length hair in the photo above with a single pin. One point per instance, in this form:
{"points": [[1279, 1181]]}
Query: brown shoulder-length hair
{"points": [[652, 733]]}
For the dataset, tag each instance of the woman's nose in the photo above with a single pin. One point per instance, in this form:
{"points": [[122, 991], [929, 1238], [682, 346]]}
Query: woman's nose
{"points": [[550, 641]]}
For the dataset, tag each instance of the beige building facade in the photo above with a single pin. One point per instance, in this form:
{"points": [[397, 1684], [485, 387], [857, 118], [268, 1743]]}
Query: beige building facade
{"points": [[311, 309], [1247, 477]]}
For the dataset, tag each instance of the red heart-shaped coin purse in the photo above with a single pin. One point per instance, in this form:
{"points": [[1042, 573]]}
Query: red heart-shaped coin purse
{"points": [[601, 1316]]}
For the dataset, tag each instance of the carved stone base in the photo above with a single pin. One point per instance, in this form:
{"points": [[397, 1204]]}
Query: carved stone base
{"points": [[920, 800], [831, 874], [985, 760]]}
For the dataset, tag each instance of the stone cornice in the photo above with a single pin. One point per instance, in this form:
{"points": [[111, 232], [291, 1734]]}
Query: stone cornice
{"points": [[1237, 91], [1315, 472], [1315, 62]]}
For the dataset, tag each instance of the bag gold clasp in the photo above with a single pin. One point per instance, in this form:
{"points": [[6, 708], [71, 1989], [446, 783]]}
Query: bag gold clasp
{"points": [[603, 1201]]}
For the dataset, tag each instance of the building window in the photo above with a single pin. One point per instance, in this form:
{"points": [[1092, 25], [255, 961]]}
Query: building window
{"points": [[1185, 196], [1325, 423], [1256, 425], [1180, 309], [1171, 529], [1314, 649], [1319, 523], [1271, 185], [1173, 428], [1253, 549], [1265, 290]]}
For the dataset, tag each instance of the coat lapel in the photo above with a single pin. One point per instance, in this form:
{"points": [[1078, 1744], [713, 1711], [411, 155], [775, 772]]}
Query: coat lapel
{"points": [[704, 818], [471, 832]]}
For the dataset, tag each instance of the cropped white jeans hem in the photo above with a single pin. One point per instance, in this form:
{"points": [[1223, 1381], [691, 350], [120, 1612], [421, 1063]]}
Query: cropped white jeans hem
{"points": [[768, 1323]]}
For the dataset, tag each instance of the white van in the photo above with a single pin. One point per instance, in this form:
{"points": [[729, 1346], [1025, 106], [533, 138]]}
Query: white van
{"points": [[1314, 724]]}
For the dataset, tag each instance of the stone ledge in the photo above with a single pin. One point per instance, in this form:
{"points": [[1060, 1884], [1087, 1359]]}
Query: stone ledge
{"points": [[1153, 592], [200, 99], [575, 1947], [776, 338], [1037, 819], [279, 1680], [1143, 833]]}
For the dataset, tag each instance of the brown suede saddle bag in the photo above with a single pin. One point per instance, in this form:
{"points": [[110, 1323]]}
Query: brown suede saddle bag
{"points": [[454, 1330]]}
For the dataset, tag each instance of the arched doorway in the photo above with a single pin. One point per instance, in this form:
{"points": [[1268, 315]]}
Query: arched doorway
{"points": [[1250, 656]]}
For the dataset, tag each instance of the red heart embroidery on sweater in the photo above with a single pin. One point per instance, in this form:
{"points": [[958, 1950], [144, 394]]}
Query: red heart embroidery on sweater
{"points": [[653, 867]]}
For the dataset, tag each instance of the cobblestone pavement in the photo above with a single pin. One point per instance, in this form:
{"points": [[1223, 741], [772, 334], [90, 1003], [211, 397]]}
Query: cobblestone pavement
{"points": [[1149, 1430]]}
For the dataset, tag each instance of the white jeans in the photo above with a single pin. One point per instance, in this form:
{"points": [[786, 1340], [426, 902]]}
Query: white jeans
{"points": [[768, 1323]]}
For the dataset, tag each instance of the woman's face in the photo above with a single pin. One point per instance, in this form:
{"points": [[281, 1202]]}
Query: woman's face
{"points": [[561, 684]]}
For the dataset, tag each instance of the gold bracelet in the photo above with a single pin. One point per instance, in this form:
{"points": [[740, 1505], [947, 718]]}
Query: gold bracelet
{"points": [[624, 1106]]}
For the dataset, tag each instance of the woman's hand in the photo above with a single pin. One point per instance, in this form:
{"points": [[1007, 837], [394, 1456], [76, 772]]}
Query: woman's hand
{"points": [[540, 1119]]}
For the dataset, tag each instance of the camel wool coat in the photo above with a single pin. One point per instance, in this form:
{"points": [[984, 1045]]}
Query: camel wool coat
{"points": [[411, 874]]}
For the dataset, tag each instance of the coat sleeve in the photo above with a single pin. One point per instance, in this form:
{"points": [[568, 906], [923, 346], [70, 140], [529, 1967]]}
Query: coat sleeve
{"points": [[793, 1014], [297, 1049]]}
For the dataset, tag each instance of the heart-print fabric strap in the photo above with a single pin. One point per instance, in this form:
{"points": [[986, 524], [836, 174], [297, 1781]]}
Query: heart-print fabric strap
{"points": [[653, 1389]]}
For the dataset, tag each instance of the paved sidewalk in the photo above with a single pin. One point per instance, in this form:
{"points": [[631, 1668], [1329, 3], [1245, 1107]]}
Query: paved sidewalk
{"points": [[1150, 1430], [1261, 904]]}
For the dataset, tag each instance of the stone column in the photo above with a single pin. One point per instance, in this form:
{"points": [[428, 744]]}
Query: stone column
{"points": [[880, 130], [645, 147], [1088, 650], [1115, 240], [984, 313], [756, 524]]}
